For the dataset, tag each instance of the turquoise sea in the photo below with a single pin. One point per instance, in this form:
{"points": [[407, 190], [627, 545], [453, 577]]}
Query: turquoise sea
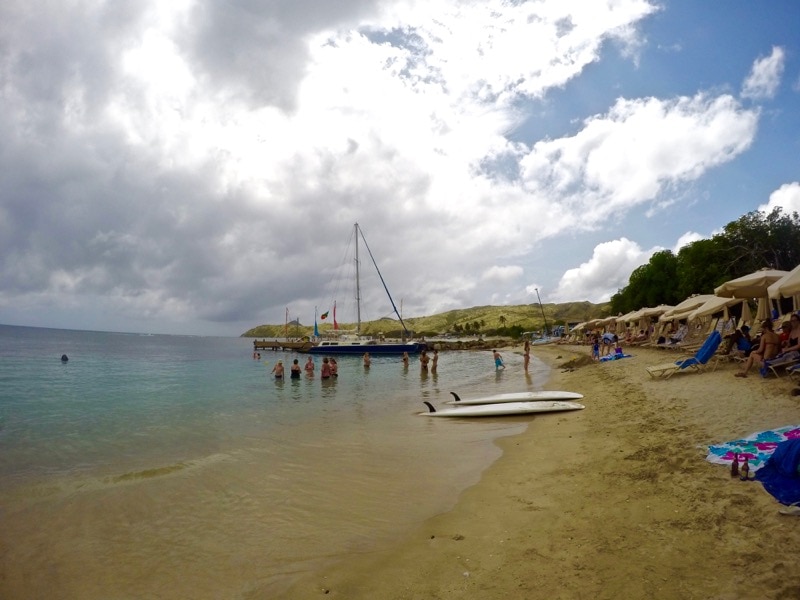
{"points": [[157, 466]]}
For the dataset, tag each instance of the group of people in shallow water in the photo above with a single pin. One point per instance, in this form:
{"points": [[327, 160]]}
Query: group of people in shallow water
{"points": [[427, 362], [330, 368]]}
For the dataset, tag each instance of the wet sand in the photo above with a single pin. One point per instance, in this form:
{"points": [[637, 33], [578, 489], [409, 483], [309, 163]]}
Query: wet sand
{"points": [[615, 501]]}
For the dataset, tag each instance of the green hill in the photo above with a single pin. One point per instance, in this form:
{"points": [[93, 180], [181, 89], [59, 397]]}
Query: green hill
{"points": [[478, 319]]}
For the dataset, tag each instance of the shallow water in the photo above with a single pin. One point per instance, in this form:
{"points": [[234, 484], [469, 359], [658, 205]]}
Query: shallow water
{"points": [[175, 466]]}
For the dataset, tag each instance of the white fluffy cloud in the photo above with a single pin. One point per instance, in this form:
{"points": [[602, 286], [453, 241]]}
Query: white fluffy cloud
{"points": [[637, 151], [786, 197], [765, 76], [604, 273]]}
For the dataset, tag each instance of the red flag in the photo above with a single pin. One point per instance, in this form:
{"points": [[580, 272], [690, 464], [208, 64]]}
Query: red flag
{"points": [[335, 324], [324, 315]]}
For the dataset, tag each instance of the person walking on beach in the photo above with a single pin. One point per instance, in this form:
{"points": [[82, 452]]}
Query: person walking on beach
{"points": [[526, 355], [278, 370], [309, 367], [294, 372], [498, 361], [435, 361]]}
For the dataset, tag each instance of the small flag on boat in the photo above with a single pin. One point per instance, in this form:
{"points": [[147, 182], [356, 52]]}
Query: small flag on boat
{"points": [[335, 324], [324, 315]]}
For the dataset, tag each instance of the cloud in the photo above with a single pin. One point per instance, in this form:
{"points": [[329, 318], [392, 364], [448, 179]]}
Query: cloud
{"points": [[497, 274], [635, 153], [686, 239], [765, 76], [786, 197], [605, 273], [190, 163]]}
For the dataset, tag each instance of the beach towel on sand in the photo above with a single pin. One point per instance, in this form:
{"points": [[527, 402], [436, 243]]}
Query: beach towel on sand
{"points": [[756, 447], [780, 475]]}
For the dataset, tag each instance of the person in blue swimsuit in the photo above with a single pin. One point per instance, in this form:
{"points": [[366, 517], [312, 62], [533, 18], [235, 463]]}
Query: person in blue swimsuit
{"points": [[498, 361]]}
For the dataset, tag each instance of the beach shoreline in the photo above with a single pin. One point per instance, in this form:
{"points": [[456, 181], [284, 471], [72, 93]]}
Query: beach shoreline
{"points": [[615, 501]]}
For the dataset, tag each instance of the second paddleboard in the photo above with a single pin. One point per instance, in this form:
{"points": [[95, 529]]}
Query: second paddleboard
{"points": [[515, 397]]}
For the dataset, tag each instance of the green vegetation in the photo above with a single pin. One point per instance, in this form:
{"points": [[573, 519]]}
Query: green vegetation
{"points": [[755, 241], [508, 321]]}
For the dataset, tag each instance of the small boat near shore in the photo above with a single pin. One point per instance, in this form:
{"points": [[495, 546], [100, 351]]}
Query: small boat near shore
{"points": [[502, 409], [539, 396]]}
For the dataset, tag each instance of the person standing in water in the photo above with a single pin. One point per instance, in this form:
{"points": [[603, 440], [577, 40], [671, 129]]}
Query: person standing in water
{"points": [[309, 367], [278, 370], [334, 367], [325, 371], [405, 360], [526, 355], [367, 361], [498, 361], [435, 361], [423, 361], [294, 372]]}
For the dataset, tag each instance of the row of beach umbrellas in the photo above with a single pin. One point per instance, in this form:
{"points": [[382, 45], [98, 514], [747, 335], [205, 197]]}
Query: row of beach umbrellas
{"points": [[763, 285]]}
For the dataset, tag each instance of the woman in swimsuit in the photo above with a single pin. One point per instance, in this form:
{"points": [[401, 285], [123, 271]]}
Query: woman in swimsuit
{"points": [[295, 370], [768, 348]]}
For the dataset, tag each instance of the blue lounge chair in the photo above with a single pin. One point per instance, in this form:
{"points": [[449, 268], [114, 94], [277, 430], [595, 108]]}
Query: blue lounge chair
{"points": [[697, 362]]}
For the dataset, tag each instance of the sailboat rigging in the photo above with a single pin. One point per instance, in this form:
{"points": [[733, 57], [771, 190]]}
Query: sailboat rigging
{"points": [[360, 345]]}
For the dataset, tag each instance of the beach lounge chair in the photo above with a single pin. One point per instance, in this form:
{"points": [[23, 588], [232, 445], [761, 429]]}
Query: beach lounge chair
{"points": [[697, 362], [780, 362]]}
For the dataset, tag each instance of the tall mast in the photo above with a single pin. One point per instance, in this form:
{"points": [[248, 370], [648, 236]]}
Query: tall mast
{"points": [[385, 287], [544, 333], [358, 287]]}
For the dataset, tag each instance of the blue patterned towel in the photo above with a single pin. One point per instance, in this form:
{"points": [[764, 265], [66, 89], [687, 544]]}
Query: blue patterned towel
{"points": [[757, 447]]}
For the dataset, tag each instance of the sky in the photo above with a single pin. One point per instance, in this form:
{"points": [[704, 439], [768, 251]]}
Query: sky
{"points": [[197, 167]]}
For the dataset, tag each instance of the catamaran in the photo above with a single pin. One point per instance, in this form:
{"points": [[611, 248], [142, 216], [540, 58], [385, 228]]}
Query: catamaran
{"points": [[358, 344]]}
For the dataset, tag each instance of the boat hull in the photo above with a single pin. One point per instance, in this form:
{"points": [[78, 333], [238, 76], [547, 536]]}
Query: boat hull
{"points": [[360, 348]]}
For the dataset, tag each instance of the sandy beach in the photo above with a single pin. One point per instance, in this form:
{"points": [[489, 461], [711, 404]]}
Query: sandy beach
{"points": [[615, 501]]}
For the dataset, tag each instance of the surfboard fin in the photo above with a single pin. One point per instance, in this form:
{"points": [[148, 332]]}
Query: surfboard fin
{"points": [[429, 405], [456, 396]]}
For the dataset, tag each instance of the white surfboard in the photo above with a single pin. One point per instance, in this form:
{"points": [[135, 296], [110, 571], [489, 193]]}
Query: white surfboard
{"points": [[515, 397], [504, 408]]}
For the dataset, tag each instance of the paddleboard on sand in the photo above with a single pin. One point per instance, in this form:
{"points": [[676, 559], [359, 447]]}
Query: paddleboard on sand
{"points": [[504, 408], [516, 397]]}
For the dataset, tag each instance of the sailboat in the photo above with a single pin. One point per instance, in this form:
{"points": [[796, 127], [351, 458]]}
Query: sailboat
{"points": [[358, 344]]}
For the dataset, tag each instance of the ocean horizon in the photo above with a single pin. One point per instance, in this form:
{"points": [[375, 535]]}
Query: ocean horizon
{"points": [[152, 465]]}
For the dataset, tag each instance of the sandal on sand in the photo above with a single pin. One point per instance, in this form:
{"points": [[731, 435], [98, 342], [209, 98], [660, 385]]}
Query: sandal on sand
{"points": [[740, 375], [793, 510]]}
